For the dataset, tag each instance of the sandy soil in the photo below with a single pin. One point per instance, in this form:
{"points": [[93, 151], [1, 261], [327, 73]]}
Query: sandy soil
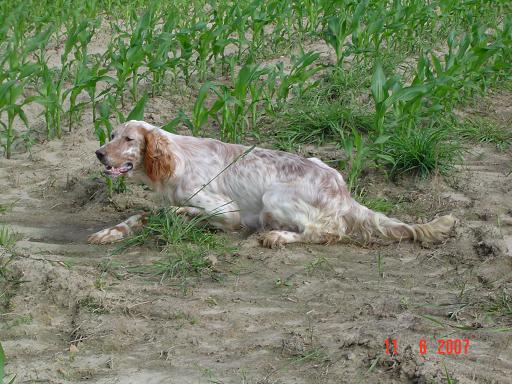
{"points": [[303, 314]]}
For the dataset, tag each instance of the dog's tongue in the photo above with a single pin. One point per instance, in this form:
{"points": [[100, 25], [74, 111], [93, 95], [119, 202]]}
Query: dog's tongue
{"points": [[113, 171]]}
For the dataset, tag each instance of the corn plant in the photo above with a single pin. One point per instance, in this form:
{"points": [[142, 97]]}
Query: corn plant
{"points": [[50, 98], [13, 82], [158, 60], [185, 37], [86, 79], [338, 29], [389, 93], [357, 154], [52, 94], [308, 15], [205, 41], [127, 59], [102, 126], [279, 83], [200, 111], [10, 93], [233, 105], [228, 112], [257, 20]]}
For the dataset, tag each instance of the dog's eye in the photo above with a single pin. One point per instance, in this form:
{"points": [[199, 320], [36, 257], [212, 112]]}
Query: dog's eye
{"points": [[129, 139], [112, 137]]}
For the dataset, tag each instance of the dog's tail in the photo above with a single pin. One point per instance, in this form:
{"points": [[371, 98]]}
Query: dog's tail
{"points": [[365, 222]]}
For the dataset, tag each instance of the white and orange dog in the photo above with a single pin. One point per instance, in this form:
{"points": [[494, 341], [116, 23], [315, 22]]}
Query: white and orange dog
{"points": [[287, 198]]}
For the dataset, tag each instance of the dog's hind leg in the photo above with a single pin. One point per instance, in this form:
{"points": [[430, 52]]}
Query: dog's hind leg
{"points": [[290, 215], [119, 231]]}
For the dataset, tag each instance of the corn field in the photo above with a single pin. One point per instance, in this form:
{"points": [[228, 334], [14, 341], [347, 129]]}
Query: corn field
{"points": [[420, 60]]}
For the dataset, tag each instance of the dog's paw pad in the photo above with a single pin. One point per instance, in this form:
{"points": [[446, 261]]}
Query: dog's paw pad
{"points": [[105, 236], [272, 240]]}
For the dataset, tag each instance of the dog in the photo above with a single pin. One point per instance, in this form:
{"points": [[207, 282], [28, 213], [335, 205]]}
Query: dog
{"points": [[287, 198]]}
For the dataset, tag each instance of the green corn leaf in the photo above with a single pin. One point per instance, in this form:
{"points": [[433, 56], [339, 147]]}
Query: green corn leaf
{"points": [[201, 97], [181, 118], [358, 13], [27, 70], [243, 80], [104, 109], [407, 94], [16, 91], [171, 125], [22, 116], [385, 157], [144, 23], [5, 87], [135, 54], [137, 113], [463, 46], [376, 26], [437, 64], [217, 106], [100, 133], [38, 41], [381, 139], [379, 92], [91, 83], [2, 363], [33, 99]]}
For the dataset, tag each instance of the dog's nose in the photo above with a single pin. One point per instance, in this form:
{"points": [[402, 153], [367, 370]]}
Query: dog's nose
{"points": [[100, 155]]}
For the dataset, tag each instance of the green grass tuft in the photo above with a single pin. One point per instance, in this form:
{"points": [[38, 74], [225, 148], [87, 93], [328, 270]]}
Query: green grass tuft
{"points": [[316, 122], [7, 237], [482, 130], [187, 245], [379, 204], [421, 151], [500, 305]]}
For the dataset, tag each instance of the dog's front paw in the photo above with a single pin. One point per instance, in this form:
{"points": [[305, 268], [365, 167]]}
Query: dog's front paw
{"points": [[187, 211], [105, 236]]}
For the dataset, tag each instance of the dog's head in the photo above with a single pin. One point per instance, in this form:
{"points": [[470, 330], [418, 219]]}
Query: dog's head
{"points": [[137, 146]]}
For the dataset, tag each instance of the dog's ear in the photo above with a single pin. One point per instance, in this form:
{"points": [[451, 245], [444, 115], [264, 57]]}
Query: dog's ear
{"points": [[158, 160]]}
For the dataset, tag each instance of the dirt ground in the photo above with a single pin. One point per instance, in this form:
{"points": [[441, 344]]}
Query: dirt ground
{"points": [[303, 314]]}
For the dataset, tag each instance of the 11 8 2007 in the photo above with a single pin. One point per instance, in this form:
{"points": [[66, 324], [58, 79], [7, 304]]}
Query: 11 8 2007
{"points": [[444, 346]]}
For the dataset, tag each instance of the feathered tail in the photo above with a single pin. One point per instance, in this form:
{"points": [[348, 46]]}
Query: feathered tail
{"points": [[365, 222]]}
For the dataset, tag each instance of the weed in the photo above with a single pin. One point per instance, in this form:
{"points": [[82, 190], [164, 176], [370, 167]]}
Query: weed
{"points": [[7, 237], [380, 268], [449, 379], [358, 154], [379, 204], [19, 320], [421, 151], [317, 355], [92, 305], [186, 246], [281, 283], [10, 279], [318, 263], [484, 131], [183, 261], [2, 365], [499, 305], [313, 121]]}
